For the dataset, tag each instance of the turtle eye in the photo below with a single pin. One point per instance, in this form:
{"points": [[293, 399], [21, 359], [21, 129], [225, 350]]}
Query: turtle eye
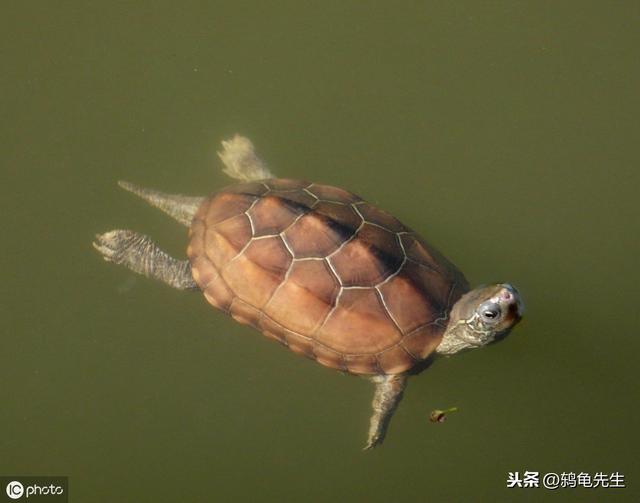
{"points": [[490, 312]]}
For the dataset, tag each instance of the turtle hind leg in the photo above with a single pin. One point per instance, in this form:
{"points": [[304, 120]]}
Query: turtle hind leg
{"points": [[241, 162], [140, 254], [387, 395]]}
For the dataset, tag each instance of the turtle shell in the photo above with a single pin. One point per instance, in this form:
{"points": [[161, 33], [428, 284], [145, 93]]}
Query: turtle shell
{"points": [[323, 272]]}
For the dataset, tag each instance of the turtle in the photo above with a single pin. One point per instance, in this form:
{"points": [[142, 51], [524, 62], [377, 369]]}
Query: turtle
{"points": [[324, 273]]}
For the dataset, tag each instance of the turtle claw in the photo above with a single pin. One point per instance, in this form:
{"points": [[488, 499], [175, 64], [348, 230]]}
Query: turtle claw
{"points": [[112, 244], [100, 245], [372, 443]]}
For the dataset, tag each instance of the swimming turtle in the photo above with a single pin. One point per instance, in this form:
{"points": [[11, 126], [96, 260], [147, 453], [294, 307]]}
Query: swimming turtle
{"points": [[324, 273]]}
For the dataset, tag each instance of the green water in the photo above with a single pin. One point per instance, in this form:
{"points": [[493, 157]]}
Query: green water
{"points": [[506, 132]]}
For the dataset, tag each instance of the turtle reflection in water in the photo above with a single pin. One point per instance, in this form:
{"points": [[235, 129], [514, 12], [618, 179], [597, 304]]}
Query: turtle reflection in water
{"points": [[324, 273]]}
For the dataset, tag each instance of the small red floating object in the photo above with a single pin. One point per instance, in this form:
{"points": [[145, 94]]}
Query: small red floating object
{"points": [[438, 416]]}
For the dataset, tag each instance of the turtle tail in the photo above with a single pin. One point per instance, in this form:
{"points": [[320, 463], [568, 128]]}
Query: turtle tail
{"points": [[181, 208]]}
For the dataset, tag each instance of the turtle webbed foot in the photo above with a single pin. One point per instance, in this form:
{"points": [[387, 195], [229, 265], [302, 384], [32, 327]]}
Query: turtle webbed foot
{"points": [[241, 162], [372, 442], [113, 245], [387, 394]]}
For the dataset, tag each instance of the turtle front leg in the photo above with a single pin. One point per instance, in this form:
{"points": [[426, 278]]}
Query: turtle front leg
{"points": [[241, 162], [140, 254], [387, 395]]}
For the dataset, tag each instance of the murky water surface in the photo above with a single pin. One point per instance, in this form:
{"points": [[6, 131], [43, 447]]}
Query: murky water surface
{"points": [[506, 133]]}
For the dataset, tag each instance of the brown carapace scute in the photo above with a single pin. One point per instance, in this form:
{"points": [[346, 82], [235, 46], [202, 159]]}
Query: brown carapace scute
{"points": [[323, 272]]}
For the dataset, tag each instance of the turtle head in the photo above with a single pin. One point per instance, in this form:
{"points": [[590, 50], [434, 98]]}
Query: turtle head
{"points": [[480, 317]]}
